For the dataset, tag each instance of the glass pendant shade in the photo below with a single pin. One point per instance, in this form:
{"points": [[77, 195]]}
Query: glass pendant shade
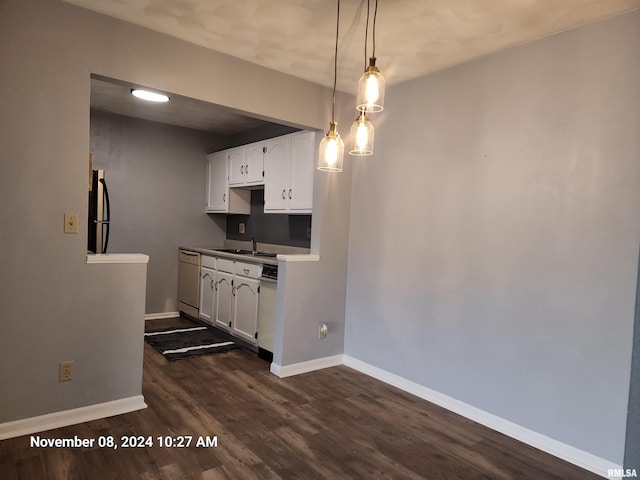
{"points": [[331, 152], [362, 136], [371, 89]]}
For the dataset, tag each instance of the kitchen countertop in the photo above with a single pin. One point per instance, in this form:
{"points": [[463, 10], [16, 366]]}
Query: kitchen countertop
{"points": [[215, 251], [284, 253]]}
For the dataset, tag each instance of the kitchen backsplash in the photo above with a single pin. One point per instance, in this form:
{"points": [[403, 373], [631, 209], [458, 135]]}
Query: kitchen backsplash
{"points": [[280, 229]]}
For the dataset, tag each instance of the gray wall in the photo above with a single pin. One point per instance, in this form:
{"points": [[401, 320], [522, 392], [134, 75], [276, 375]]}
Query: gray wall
{"points": [[494, 234], [54, 306], [632, 450], [155, 174], [275, 228]]}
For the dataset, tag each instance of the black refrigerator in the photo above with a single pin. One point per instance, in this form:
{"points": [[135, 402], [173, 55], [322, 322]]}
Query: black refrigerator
{"points": [[99, 214]]}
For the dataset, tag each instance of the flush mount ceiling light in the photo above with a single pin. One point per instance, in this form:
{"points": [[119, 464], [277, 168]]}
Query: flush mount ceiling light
{"points": [[371, 86], [149, 96], [331, 151]]}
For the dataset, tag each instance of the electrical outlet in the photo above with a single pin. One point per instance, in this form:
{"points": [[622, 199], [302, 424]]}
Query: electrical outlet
{"points": [[70, 223], [65, 371], [322, 331], [241, 228]]}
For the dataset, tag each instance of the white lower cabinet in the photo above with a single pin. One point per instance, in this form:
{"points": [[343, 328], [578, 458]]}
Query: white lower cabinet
{"points": [[244, 309], [207, 290], [222, 302], [229, 296]]}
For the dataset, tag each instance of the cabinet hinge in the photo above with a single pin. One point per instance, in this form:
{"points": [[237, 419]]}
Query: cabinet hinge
{"points": [[232, 283], [264, 149], [256, 335], [258, 288], [263, 173]]}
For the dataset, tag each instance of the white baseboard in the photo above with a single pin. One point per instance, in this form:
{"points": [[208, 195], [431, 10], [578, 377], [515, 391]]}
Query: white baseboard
{"points": [[161, 315], [304, 367], [65, 418], [578, 457]]}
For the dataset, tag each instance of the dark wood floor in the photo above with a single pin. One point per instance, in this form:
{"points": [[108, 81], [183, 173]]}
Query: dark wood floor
{"points": [[331, 424]]}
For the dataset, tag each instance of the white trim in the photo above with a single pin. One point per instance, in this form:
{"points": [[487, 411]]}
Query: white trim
{"points": [[117, 258], [65, 418], [175, 330], [304, 367], [283, 257], [197, 347], [573, 455], [161, 315]]}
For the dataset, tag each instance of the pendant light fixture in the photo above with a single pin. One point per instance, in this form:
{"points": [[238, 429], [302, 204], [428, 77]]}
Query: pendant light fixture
{"points": [[362, 136], [371, 86], [331, 151], [362, 129]]}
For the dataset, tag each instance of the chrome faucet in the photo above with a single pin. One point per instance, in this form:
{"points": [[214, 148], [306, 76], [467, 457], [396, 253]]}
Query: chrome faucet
{"points": [[254, 249]]}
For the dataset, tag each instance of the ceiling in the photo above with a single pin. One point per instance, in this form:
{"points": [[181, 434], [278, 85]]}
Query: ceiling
{"points": [[115, 97], [413, 37]]}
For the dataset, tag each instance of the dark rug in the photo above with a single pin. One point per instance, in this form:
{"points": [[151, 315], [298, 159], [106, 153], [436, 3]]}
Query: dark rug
{"points": [[189, 342]]}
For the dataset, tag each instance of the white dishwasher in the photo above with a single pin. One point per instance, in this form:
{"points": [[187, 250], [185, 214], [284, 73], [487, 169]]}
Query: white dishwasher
{"points": [[188, 282], [267, 311]]}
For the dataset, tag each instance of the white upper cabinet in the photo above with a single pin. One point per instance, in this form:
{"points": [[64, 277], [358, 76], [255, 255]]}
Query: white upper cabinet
{"points": [[220, 199], [254, 165], [302, 147], [288, 170], [276, 174], [237, 160], [284, 165], [217, 185], [245, 165]]}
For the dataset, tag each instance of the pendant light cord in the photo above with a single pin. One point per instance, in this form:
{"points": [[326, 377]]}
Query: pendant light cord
{"points": [[335, 65], [375, 15], [366, 35]]}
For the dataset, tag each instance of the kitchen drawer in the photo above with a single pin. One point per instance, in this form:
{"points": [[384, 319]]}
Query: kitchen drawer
{"points": [[251, 270], [209, 262], [225, 265]]}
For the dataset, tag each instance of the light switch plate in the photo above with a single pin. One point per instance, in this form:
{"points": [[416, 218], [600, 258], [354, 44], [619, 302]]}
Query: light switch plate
{"points": [[70, 223]]}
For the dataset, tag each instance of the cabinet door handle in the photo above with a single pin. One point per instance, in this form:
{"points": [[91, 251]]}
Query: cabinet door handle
{"points": [[289, 194], [242, 170], [246, 271], [233, 290], [284, 194], [224, 198], [246, 169]]}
